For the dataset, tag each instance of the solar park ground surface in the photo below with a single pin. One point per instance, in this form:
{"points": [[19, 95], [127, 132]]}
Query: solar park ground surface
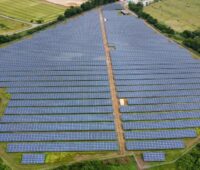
{"points": [[66, 84]]}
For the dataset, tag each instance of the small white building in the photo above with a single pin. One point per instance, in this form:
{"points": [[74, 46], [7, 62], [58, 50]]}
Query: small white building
{"points": [[144, 2]]}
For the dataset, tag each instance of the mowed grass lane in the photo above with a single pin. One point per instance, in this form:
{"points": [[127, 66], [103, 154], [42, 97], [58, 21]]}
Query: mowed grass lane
{"points": [[179, 14], [8, 26], [30, 10]]}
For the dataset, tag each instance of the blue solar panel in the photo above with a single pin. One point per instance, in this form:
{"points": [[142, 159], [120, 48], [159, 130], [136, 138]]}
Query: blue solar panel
{"points": [[161, 116], [57, 118], [158, 87], [59, 90], [164, 134], [61, 96], [160, 107], [61, 136], [58, 110], [164, 100], [78, 103], [37, 127], [159, 93], [154, 145], [62, 146], [33, 159], [153, 156], [162, 124], [54, 84]]}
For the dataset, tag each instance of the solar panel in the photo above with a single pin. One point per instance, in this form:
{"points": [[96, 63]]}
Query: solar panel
{"points": [[59, 136], [160, 107], [33, 159], [164, 100], [48, 127], [162, 124], [154, 145], [30, 96], [153, 156], [58, 110], [164, 134], [57, 118], [161, 116], [62, 146], [68, 103]]}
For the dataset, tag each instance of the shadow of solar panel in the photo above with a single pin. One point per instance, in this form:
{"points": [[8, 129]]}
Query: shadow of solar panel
{"points": [[33, 159], [62, 146], [153, 156], [154, 145]]}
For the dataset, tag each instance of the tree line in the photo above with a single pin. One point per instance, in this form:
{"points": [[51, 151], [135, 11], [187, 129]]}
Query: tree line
{"points": [[190, 39], [84, 7]]}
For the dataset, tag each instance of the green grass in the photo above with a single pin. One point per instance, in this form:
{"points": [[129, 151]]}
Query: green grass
{"points": [[30, 10], [8, 26], [179, 14], [4, 99]]}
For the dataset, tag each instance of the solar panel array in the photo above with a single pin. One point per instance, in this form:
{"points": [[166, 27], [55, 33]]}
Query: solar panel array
{"points": [[160, 82], [33, 158], [59, 90], [154, 156]]}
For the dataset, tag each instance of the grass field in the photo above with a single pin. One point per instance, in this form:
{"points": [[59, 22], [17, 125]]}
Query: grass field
{"points": [[30, 10], [4, 98], [8, 26], [179, 14]]}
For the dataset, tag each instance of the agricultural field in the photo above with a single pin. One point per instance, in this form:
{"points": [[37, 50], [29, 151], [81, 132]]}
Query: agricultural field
{"points": [[30, 10], [179, 14], [67, 3], [9, 26]]}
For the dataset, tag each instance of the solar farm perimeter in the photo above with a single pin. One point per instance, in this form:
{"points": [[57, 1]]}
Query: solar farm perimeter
{"points": [[66, 84]]}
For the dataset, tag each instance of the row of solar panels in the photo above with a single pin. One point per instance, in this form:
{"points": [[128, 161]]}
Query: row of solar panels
{"points": [[59, 90], [160, 107], [59, 110], [55, 78], [57, 118], [50, 127], [161, 116], [59, 136], [72, 136], [93, 146], [164, 100], [54, 84], [62, 146], [58, 103], [71, 96]]}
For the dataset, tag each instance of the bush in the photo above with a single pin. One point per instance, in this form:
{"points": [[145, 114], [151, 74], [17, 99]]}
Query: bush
{"points": [[61, 18]]}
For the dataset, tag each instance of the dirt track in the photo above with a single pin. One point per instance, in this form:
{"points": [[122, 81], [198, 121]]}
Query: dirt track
{"points": [[115, 100]]}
